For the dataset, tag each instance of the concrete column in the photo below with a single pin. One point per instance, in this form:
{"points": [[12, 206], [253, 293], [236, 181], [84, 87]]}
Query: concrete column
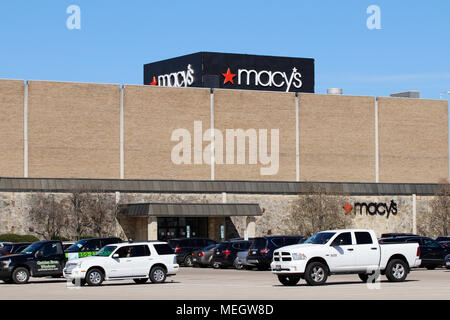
{"points": [[414, 213], [25, 132], [122, 154], [152, 228], [297, 140], [377, 147], [251, 226]]}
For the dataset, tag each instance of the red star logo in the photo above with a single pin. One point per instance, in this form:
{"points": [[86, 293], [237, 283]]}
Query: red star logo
{"points": [[228, 76], [348, 208], [153, 83]]}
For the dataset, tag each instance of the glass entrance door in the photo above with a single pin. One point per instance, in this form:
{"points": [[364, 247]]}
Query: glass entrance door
{"points": [[170, 228]]}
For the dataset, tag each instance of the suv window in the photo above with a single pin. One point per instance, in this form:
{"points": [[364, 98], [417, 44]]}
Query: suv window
{"points": [[363, 238], [92, 245], [279, 242], [430, 243], [290, 241], [163, 249], [123, 252], [344, 239], [139, 251]]}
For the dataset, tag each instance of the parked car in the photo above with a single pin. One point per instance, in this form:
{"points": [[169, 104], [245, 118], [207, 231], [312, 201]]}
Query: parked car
{"points": [[14, 247], [88, 247], [242, 261], [202, 258], [447, 261], [432, 253], [225, 254], [439, 239], [40, 259], [184, 247], [139, 261], [261, 252], [342, 252]]}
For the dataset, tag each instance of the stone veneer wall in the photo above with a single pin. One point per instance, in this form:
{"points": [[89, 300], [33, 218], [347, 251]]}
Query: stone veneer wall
{"points": [[14, 208]]}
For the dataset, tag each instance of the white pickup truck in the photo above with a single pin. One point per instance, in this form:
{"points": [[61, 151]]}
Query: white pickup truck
{"points": [[343, 252]]}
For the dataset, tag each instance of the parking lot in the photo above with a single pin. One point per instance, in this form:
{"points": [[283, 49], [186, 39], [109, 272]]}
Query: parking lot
{"points": [[202, 284]]}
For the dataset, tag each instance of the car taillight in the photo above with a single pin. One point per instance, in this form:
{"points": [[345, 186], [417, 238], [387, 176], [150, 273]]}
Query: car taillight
{"points": [[226, 252], [177, 249], [200, 254], [418, 251], [264, 251]]}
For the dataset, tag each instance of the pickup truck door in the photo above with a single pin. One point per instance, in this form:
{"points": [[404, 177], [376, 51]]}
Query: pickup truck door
{"points": [[49, 260], [367, 251], [341, 253]]}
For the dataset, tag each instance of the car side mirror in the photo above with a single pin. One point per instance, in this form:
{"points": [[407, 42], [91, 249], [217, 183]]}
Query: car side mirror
{"points": [[115, 256]]}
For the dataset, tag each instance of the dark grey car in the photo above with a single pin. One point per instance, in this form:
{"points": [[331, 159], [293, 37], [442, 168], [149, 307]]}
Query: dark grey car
{"points": [[202, 258]]}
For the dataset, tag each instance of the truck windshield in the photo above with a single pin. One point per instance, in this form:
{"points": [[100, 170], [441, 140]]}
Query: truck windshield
{"points": [[320, 238], [31, 249], [77, 245], [106, 251]]}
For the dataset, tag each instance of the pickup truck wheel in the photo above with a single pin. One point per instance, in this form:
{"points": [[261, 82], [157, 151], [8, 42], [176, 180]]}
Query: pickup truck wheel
{"points": [[316, 274], [140, 281], [94, 277], [157, 275], [20, 275], [288, 280], [396, 270]]}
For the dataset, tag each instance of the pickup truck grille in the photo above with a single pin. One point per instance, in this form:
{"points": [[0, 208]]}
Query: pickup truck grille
{"points": [[282, 256]]}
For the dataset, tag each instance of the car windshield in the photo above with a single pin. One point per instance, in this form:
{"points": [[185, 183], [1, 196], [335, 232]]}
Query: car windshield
{"points": [[77, 245], [31, 249], [320, 238], [106, 251]]}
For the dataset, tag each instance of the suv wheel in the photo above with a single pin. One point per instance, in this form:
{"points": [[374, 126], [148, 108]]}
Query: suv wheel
{"points": [[216, 265], [94, 277], [188, 261], [140, 281], [288, 280], [158, 275], [20, 275], [316, 274], [396, 270]]}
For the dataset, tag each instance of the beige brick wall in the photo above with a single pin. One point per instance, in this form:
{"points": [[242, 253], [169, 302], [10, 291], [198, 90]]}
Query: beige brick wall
{"points": [[337, 138], [257, 110], [413, 137], [74, 130], [151, 114], [11, 128]]}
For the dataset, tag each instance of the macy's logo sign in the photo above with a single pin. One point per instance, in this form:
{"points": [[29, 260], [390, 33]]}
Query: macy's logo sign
{"points": [[372, 208]]}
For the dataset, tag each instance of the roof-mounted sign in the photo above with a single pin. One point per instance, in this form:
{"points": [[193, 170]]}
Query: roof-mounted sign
{"points": [[233, 71]]}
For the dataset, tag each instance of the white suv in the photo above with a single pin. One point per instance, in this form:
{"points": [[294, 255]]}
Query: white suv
{"points": [[139, 261]]}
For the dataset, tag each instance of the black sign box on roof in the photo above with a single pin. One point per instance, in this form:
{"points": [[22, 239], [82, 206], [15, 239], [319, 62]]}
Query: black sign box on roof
{"points": [[233, 71]]}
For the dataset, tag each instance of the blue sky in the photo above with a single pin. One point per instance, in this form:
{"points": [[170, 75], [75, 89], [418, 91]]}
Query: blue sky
{"points": [[410, 52]]}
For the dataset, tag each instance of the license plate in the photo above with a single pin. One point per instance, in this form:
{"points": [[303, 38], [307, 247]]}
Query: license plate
{"points": [[195, 259], [278, 267]]}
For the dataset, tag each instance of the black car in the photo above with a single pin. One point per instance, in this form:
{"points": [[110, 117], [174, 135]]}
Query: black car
{"points": [[40, 259], [184, 247], [432, 253], [261, 252], [14, 247], [89, 247], [225, 254]]}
